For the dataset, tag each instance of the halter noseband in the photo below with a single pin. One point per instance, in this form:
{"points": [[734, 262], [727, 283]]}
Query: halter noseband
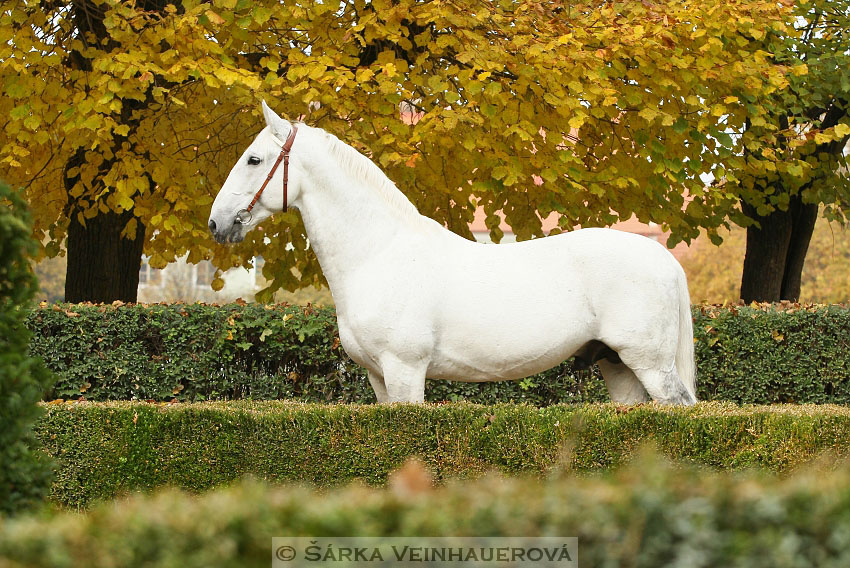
{"points": [[282, 157]]}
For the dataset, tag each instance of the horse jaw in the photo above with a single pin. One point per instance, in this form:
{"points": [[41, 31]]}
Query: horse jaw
{"points": [[224, 221]]}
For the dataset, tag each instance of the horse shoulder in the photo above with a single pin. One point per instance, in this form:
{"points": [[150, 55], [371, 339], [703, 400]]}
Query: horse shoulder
{"points": [[387, 305]]}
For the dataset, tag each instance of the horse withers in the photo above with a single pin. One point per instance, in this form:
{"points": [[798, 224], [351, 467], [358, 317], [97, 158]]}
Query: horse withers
{"points": [[414, 300]]}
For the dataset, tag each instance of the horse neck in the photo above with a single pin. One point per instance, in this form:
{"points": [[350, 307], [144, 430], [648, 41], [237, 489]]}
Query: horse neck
{"points": [[348, 219]]}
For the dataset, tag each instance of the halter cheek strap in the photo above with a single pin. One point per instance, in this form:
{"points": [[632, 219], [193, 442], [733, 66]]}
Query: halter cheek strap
{"points": [[282, 157]]}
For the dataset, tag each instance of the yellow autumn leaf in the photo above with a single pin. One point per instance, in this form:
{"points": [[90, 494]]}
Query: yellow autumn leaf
{"points": [[214, 18], [125, 202], [576, 122], [842, 130], [648, 113]]}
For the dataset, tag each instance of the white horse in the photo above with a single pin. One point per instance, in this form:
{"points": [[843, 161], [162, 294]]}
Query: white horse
{"points": [[414, 300]]}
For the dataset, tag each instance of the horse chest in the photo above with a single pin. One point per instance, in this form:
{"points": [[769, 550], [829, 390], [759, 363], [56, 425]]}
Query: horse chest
{"points": [[368, 334], [354, 347]]}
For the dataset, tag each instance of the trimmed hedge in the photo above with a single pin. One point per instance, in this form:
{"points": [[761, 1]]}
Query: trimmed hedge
{"points": [[196, 352], [105, 449], [765, 354], [646, 515], [192, 352]]}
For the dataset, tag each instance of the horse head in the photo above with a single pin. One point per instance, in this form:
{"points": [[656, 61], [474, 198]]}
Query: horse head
{"points": [[256, 187]]}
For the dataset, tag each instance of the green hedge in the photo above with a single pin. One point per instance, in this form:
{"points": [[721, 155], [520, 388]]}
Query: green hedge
{"points": [[104, 449], [191, 352], [195, 352], [773, 354], [24, 478], [648, 514]]}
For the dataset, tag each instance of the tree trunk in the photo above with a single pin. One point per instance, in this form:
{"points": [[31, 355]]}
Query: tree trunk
{"points": [[776, 252], [103, 266], [804, 217]]}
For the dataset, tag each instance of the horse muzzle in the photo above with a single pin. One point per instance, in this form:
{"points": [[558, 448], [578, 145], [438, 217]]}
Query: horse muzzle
{"points": [[231, 234]]}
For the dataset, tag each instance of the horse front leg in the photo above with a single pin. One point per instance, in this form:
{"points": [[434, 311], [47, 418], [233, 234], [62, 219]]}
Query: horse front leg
{"points": [[377, 382], [404, 380]]}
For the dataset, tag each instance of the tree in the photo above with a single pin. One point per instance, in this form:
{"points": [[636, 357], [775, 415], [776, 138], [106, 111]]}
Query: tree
{"points": [[798, 163], [99, 135], [122, 119]]}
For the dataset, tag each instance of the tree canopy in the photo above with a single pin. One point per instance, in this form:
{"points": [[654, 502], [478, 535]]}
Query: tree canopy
{"points": [[620, 108], [802, 137]]}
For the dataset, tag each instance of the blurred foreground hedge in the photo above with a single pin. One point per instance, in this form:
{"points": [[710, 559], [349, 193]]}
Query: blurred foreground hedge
{"points": [[190, 352], [106, 449], [648, 514]]}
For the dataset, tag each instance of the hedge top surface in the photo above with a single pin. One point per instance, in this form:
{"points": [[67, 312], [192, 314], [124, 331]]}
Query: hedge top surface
{"points": [[701, 409]]}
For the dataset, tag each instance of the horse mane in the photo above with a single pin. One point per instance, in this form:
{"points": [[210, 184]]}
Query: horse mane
{"points": [[361, 167]]}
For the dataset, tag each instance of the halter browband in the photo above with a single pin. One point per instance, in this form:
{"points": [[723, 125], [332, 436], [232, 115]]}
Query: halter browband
{"points": [[284, 157]]}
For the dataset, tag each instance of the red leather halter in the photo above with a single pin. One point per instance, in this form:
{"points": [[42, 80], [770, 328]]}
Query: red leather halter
{"points": [[283, 157]]}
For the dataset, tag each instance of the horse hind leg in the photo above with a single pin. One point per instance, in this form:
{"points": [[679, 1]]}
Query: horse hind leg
{"points": [[666, 387], [633, 376], [623, 385]]}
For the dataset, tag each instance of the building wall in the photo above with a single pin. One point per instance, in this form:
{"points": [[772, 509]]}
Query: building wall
{"points": [[651, 230], [181, 281]]}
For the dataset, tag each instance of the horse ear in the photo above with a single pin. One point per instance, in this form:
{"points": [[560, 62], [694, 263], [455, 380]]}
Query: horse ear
{"points": [[278, 126]]}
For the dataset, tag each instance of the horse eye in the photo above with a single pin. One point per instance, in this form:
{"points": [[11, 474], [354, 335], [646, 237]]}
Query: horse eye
{"points": [[254, 160]]}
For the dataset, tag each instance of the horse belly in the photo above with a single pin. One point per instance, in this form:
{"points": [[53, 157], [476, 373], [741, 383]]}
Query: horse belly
{"points": [[495, 365], [508, 330]]}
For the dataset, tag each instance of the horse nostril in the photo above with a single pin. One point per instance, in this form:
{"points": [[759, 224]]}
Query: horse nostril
{"points": [[212, 226]]}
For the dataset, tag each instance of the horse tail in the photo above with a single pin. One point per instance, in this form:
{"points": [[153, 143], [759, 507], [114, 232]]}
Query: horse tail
{"points": [[685, 363]]}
